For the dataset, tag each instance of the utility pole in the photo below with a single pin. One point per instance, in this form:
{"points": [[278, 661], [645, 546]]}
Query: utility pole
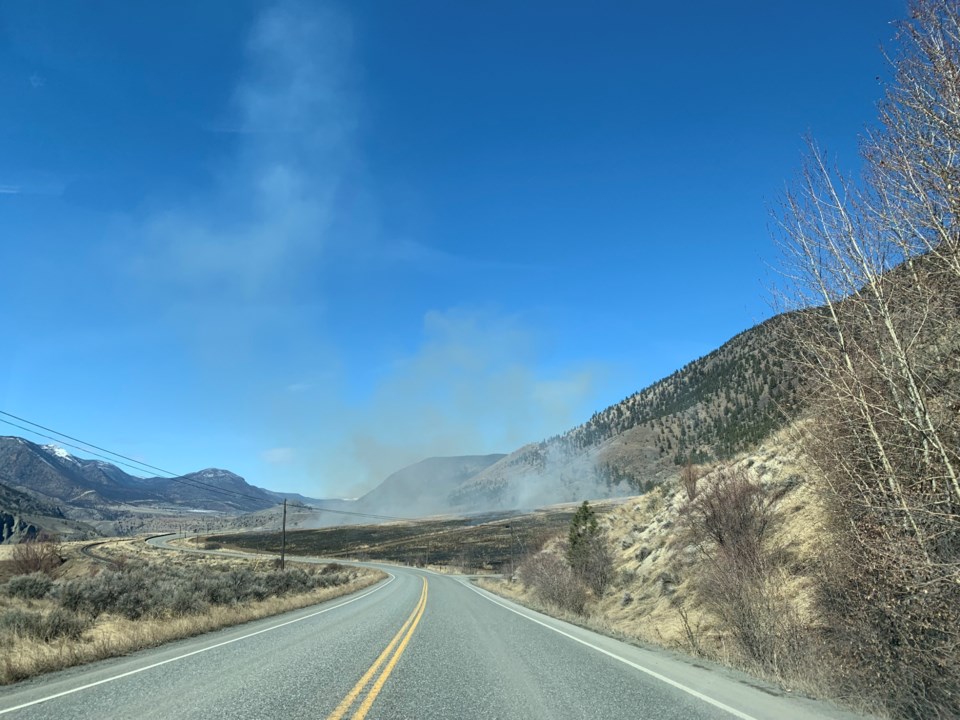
{"points": [[283, 536]]}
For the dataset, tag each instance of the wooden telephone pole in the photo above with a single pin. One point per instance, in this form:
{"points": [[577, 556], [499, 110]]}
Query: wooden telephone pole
{"points": [[283, 537]]}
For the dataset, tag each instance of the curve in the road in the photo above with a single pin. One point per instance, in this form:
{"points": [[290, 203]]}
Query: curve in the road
{"points": [[389, 653]]}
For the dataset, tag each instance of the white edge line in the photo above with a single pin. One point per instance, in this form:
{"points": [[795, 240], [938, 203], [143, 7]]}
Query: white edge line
{"points": [[641, 668], [652, 673], [195, 652]]}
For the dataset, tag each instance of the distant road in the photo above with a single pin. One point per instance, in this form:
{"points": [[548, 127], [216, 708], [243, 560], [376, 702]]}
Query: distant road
{"points": [[417, 645]]}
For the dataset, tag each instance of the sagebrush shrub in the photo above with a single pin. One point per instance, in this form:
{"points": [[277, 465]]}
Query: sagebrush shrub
{"points": [[159, 590], [61, 623], [29, 587], [58, 623], [17, 622], [554, 582]]}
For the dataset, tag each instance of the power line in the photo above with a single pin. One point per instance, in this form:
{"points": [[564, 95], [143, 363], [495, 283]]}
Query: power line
{"points": [[190, 482], [175, 477], [111, 452], [75, 447]]}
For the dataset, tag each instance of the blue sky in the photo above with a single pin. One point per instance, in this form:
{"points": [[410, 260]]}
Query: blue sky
{"points": [[313, 242]]}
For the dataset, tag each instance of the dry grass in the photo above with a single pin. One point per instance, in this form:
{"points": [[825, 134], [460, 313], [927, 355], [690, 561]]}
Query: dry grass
{"points": [[653, 599], [592, 619], [6, 552], [654, 573], [110, 635]]}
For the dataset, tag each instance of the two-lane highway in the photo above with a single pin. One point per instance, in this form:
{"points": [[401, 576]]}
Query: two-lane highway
{"points": [[418, 645]]}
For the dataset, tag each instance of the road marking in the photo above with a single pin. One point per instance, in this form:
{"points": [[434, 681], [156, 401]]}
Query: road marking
{"points": [[195, 652], [641, 668], [406, 631], [361, 713]]}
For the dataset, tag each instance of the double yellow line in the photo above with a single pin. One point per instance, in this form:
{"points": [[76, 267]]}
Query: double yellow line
{"points": [[396, 646]]}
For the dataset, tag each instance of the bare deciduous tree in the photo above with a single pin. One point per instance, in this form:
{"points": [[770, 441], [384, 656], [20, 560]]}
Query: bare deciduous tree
{"points": [[873, 270], [37, 554]]}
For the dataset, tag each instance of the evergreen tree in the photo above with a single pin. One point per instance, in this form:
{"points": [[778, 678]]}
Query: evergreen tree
{"points": [[588, 552], [583, 529]]}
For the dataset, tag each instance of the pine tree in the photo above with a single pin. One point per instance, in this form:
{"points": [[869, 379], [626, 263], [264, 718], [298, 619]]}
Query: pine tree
{"points": [[588, 552], [583, 528]]}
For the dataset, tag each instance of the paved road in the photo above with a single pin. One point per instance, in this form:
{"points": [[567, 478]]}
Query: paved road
{"points": [[418, 645]]}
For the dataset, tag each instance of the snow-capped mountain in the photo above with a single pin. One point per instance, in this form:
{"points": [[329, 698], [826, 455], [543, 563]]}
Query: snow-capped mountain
{"points": [[54, 476]]}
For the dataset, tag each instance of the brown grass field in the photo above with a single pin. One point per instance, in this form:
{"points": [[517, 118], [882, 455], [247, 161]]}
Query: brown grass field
{"points": [[46, 633]]}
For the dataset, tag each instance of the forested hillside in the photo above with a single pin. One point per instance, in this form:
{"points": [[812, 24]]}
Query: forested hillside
{"points": [[711, 409]]}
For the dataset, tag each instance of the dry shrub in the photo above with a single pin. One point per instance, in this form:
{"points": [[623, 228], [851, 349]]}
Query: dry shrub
{"points": [[37, 554], [731, 521], [554, 582], [45, 627], [689, 477], [29, 587], [595, 566]]}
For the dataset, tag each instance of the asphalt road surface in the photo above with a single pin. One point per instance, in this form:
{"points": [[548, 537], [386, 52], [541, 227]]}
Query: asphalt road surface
{"points": [[417, 645]]}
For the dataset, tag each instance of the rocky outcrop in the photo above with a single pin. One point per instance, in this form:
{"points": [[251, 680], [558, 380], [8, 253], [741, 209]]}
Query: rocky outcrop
{"points": [[14, 529]]}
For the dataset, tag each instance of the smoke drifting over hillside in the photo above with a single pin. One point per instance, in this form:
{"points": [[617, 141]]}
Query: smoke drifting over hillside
{"points": [[531, 478], [469, 389]]}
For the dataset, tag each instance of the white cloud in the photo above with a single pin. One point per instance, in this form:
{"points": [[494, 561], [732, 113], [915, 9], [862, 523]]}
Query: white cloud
{"points": [[10, 189]]}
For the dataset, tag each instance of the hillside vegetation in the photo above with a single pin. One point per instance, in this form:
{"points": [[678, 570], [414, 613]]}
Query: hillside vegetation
{"points": [[711, 409], [828, 557]]}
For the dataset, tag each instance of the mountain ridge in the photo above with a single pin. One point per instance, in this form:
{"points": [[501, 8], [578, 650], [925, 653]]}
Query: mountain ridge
{"points": [[57, 487], [712, 408]]}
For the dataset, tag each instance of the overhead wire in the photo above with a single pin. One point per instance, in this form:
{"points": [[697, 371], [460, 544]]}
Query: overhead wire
{"points": [[196, 484], [140, 465], [178, 477]]}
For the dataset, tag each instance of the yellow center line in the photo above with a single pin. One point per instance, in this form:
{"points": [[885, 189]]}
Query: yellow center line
{"points": [[408, 627], [375, 690]]}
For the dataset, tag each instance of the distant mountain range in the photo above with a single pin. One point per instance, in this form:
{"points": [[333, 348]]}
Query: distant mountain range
{"points": [[44, 487], [55, 477]]}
